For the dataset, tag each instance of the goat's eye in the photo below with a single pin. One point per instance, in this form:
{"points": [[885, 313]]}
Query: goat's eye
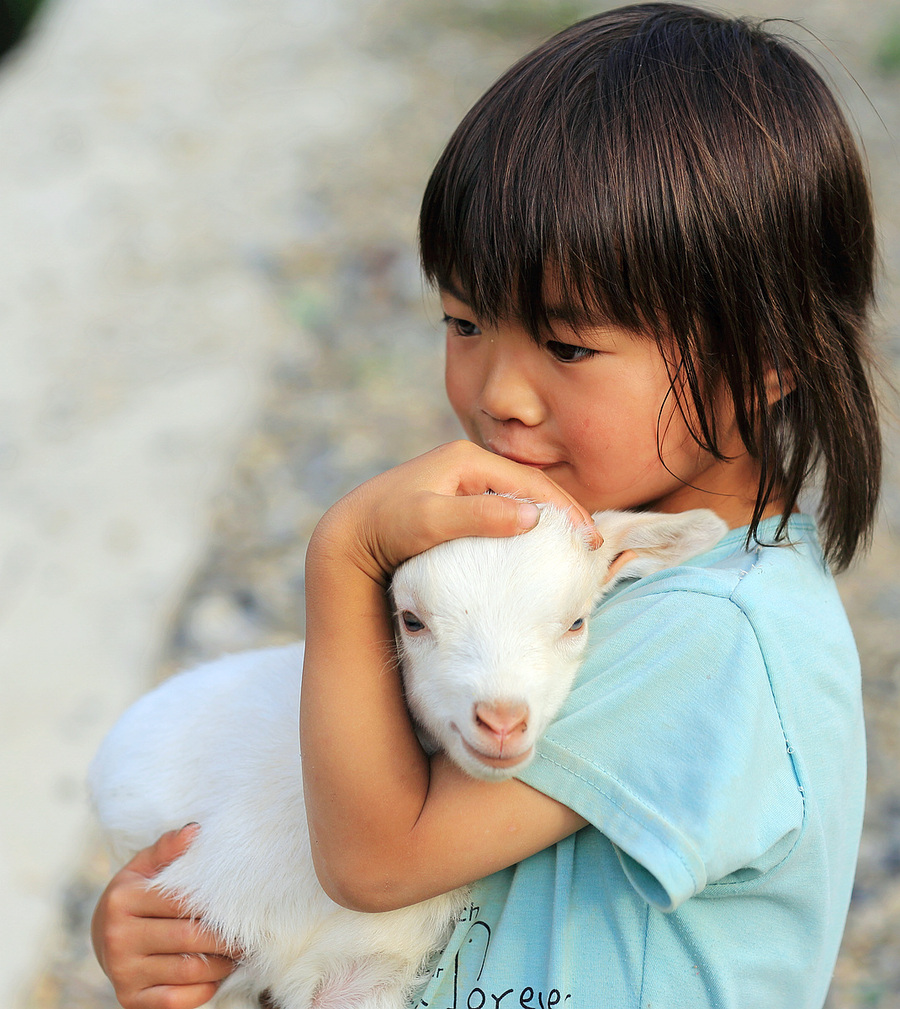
{"points": [[411, 622], [577, 626]]}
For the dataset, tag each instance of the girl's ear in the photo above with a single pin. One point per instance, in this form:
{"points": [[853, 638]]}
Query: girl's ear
{"points": [[639, 543], [778, 384]]}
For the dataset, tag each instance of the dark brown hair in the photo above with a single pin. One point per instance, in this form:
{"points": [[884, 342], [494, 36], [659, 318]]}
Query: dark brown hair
{"points": [[691, 177]]}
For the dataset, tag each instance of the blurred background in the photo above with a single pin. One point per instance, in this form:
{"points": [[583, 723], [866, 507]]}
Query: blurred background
{"points": [[213, 326]]}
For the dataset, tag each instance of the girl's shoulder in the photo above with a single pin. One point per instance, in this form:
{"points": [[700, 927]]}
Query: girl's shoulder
{"points": [[766, 572], [774, 603]]}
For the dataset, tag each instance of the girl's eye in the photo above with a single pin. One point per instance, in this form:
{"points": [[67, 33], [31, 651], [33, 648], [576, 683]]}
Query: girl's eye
{"points": [[568, 353], [461, 327], [411, 622]]}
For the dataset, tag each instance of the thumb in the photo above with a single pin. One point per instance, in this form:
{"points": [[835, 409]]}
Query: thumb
{"points": [[500, 515], [171, 845], [490, 515]]}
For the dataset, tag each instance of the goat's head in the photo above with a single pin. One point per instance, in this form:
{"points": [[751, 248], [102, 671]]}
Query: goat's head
{"points": [[491, 631]]}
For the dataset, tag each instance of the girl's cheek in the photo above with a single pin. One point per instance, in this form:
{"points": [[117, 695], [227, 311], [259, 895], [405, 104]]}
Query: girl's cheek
{"points": [[460, 394], [451, 375], [588, 429], [452, 386]]}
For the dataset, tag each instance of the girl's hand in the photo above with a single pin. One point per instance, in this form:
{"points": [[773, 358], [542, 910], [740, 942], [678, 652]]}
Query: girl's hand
{"points": [[154, 956], [439, 496]]}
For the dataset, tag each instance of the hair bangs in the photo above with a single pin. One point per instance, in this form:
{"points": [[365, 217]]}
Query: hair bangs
{"points": [[522, 214]]}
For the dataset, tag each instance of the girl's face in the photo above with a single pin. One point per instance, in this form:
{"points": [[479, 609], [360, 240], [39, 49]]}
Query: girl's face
{"points": [[592, 407]]}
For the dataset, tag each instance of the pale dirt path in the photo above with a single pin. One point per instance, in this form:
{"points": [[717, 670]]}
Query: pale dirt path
{"points": [[152, 156]]}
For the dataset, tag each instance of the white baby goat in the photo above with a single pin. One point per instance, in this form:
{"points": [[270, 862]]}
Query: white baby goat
{"points": [[490, 633]]}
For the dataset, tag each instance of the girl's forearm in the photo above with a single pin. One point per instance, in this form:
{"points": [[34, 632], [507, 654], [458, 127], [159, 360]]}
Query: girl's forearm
{"points": [[365, 776]]}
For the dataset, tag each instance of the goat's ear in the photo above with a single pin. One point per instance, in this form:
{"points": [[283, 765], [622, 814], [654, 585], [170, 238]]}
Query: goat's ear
{"points": [[639, 543]]}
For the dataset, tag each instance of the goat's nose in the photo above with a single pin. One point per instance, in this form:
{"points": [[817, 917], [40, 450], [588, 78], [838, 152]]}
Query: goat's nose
{"points": [[503, 719]]}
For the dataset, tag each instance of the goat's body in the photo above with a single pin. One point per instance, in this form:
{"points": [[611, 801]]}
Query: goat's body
{"points": [[251, 875], [485, 628]]}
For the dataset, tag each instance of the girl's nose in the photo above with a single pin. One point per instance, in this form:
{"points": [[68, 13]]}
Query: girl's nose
{"points": [[511, 391]]}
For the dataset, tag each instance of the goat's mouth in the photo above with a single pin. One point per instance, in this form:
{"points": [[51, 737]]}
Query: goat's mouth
{"points": [[500, 762]]}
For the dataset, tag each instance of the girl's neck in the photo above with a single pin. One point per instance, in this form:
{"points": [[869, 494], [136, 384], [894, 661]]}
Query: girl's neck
{"points": [[727, 487]]}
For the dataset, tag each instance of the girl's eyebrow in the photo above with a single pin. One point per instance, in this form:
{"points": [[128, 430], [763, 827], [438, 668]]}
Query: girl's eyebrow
{"points": [[448, 287], [573, 316]]}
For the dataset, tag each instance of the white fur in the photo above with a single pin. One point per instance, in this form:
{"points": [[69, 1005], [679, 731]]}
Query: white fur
{"points": [[218, 745]]}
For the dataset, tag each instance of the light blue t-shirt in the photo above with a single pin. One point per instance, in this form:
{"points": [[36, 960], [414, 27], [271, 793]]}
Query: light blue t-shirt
{"points": [[714, 741]]}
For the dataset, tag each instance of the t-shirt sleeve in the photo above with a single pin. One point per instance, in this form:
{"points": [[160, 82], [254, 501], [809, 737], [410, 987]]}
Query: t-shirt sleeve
{"points": [[672, 746]]}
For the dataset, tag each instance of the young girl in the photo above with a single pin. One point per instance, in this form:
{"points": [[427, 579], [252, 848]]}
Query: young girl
{"points": [[654, 247]]}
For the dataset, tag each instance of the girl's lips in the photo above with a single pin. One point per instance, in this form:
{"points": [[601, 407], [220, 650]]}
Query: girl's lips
{"points": [[522, 460], [529, 462]]}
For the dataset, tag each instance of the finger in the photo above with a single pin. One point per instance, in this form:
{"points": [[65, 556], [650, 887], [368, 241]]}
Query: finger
{"points": [[442, 517], [140, 899], [539, 487], [482, 515], [171, 845], [478, 471], [186, 969], [503, 476], [175, 996], [178, 935], [131, 895], [175, 970]]}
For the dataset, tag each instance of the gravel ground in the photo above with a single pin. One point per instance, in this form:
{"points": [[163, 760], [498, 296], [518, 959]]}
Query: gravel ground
{"points": [[355, 387]]}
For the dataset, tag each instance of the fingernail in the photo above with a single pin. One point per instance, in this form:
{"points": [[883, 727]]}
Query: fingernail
{"points": [[591, 535], [596, 540], [529, 513]]}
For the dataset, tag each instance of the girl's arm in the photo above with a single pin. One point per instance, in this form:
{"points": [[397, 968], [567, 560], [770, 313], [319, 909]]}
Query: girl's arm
{"points": [[155, 957], [388, 825]]}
